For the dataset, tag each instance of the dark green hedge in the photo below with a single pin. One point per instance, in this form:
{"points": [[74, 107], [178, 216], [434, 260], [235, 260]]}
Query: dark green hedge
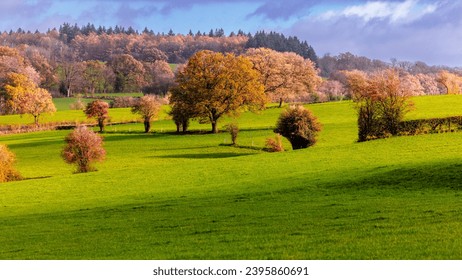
{"points": [[435, 125]]}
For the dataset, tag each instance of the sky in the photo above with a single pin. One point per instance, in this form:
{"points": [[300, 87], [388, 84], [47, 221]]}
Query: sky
{"points": [[407, 30]]}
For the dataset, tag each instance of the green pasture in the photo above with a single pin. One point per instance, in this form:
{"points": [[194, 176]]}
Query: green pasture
{"points": [[168, 196], [65, 114]]}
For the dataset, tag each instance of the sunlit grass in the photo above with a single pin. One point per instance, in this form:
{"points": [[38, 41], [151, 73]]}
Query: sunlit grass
{"points": [[167, 196]]}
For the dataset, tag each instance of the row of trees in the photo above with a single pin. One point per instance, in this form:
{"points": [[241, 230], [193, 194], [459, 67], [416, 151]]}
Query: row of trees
{"points": [[213, 84], [123, 73]]}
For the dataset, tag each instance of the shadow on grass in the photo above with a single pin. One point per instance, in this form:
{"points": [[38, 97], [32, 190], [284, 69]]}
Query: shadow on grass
{"points": [[221, 131], [438, 175], [35, 178], [205, 155], [254, 148], [122, 136]]}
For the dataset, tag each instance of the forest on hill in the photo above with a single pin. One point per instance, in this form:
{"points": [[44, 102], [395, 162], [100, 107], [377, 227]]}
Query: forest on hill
{"points": [[89, 59], [71, 59]]}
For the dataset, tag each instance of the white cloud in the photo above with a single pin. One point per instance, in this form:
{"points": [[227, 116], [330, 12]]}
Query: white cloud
{"points": [[394, 12]]}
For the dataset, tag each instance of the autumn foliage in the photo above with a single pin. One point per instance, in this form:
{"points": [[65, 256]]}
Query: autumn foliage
{"points": [[213, 84], [7, 170], [20, 95], [274, 145], [100, 111], [382, 99], [299, 126], [148, 107], [83, 148], [284, 75]]}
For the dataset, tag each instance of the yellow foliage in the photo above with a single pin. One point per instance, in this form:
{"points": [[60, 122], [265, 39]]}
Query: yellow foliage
{"points": [[7, 159], [214, 84], [22, 96]]}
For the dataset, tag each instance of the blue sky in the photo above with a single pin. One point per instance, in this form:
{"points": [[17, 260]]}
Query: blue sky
{"points": [[413, 30]]}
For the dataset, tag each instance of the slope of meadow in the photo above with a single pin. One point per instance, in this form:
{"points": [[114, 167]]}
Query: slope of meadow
{"points": [[167, 196]]}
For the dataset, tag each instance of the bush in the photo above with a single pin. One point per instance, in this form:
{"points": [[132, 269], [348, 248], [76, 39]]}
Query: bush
{"points": [[7, 160], [299, 126], [233, 130], [274, 145], [78, 104], [83, 148]]}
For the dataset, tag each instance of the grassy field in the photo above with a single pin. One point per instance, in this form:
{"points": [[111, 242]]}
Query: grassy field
{"points": [[167, 196]]}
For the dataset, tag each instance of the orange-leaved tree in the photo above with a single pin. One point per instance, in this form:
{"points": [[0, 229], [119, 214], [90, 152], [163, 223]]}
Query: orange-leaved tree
{"points": [[213, 84], [99, 110]]}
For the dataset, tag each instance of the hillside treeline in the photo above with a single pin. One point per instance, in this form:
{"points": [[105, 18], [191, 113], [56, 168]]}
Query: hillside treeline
{"points": [[93, 59]]}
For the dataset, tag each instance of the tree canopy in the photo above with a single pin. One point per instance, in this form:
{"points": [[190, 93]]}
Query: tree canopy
{"points": [[285, 74], [213, 84]]}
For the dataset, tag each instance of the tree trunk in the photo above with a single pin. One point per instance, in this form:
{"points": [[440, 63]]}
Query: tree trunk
{"points": [[147, 126], [36, 120], [214, 127], [280, 102], [101, 125]]}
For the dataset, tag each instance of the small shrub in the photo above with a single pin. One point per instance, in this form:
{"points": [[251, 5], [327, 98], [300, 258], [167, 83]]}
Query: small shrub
{"points": [[299, 126], [274, 144], [233, 129], [78, 104], [83, 148], [7, 160]]}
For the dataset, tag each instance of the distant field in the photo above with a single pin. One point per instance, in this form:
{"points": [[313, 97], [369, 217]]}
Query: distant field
{"points": [[64, 113], [168, 196]]}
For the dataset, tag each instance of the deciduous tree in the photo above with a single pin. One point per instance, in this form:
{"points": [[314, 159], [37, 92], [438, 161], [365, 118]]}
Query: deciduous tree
{"points": [[160, 77], [451, 82], [382, 99], [129, 73], [148, 107], [214, 84], [284, 74], [83, 148], [99, 110], [37, 103], [20, 95]]}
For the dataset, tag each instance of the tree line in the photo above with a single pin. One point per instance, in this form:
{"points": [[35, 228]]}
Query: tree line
{"points": [[89, 59]]}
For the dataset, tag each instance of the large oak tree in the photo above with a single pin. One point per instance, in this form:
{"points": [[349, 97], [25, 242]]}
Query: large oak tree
{"points": [[213, 84]]}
